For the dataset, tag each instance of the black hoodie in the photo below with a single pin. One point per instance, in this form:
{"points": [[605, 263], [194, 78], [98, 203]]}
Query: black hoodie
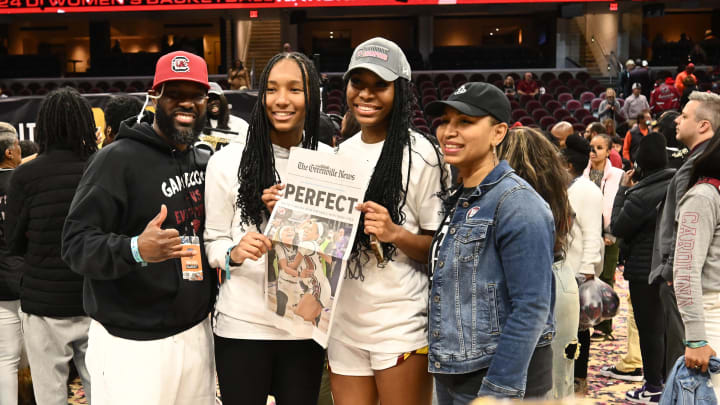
{"points": [[122, 189]]}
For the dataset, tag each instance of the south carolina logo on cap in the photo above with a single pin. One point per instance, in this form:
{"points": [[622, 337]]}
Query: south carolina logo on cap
{"points": [[462, 89], [180, 64]]}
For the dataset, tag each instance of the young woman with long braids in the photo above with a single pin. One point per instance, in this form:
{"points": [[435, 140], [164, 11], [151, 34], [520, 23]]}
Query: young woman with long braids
{"points": [[253, 357], [491, 308], [377, 351]]}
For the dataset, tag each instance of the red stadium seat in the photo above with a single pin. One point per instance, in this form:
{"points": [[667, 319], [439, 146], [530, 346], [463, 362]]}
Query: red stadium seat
{"points": [[554, 84], [539, 113], [562, 89], [458, 80], [581, 113], [561, 113], [547, 76], [595, 104], [565, 76], [579, 127], [552, 105], [423, 78], [547, 122], [586, 97], [428, 99], [524, 98], [582, 76], [442, 77], [544, 98], [599, 89], [573, 83], [573, 105], [429, 91], [526, 121], [563, 98], [588, 120], [533, 105], [493, 77], [477, 77], [417, 121], [517, 114]]}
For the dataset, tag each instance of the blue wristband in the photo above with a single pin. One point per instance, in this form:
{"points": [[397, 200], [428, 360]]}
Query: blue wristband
{"points": [[227, 263], [136, 251], [695, 344]]}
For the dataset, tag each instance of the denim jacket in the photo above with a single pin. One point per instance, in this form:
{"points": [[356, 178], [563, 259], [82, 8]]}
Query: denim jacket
{"points": [[492, 296], [690, 387]]}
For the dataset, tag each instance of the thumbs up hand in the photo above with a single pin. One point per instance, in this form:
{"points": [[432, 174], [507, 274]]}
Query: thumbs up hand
{"points": [[157, 245]]}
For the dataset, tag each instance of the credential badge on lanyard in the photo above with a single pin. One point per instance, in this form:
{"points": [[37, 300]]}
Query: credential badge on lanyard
{"points": [[192, 265]]}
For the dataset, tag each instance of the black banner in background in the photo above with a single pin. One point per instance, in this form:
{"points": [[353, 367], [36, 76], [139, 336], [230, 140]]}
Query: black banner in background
{"points": [[22, 112]]}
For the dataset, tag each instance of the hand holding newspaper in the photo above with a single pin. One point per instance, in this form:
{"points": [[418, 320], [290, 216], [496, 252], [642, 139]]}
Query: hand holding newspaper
{"points": [[312, 228]]}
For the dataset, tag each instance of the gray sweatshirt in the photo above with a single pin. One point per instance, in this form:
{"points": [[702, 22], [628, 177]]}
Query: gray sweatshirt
{"points": [[697, 256], [664, 244]]}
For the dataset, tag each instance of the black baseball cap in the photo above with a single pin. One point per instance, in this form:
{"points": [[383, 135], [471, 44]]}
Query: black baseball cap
{"points": [[475, 99]]}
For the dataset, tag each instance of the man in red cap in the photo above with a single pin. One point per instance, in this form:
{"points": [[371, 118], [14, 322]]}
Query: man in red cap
{"points": [[134, 231], [664, 97], [689, 69]]}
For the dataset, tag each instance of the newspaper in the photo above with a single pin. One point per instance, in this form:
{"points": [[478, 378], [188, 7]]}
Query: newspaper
{"points": [[312, 228]]}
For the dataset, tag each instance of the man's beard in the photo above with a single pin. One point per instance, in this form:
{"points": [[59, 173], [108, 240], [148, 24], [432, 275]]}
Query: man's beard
{"points": [[184, 136]]}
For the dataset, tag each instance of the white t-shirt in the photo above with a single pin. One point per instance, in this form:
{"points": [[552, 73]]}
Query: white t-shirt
{"points": [[387, 311], [585, 244], [241, 311]]}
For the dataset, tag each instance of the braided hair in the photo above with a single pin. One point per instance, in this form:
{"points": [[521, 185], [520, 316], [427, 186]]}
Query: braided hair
{"points": [[66, 121], [386, 184], [257, 166]]}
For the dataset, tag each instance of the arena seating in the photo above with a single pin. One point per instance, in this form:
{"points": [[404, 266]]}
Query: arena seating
{"points": [[571, 97]]}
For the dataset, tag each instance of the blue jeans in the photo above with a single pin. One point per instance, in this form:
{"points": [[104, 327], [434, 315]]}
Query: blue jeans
{"points": [[446, 396]]}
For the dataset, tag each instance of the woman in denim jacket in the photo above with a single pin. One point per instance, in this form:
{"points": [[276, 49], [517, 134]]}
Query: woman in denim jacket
{"points": [[490, 314]]}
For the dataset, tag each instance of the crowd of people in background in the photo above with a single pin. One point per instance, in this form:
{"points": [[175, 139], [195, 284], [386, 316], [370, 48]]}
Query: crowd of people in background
{"points": [[489, 230]]}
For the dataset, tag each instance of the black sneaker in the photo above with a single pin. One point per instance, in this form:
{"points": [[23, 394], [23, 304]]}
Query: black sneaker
{"points": [[598, 336], [645, 395], [612, 372]]}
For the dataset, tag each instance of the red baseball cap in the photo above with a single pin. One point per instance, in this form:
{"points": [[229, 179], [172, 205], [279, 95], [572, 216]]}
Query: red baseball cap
{"points": [[181, 65]]}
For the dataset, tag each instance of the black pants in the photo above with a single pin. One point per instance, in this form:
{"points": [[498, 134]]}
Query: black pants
{"points": [[650, 322], [250, 370], [674, 327], [581, 364]]}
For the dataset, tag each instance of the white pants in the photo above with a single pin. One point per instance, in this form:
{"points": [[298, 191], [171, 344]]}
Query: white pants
{"points": [[51, 343], [177, 370], [10, 351], [567, 318], [711, 304]]}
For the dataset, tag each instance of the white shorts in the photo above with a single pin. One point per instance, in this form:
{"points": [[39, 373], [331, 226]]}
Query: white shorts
{"points": [[349, 360]]}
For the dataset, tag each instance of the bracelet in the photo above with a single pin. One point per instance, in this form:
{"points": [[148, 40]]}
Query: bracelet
{"points": [[228, 262], [695, 344], [136, 251]]}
